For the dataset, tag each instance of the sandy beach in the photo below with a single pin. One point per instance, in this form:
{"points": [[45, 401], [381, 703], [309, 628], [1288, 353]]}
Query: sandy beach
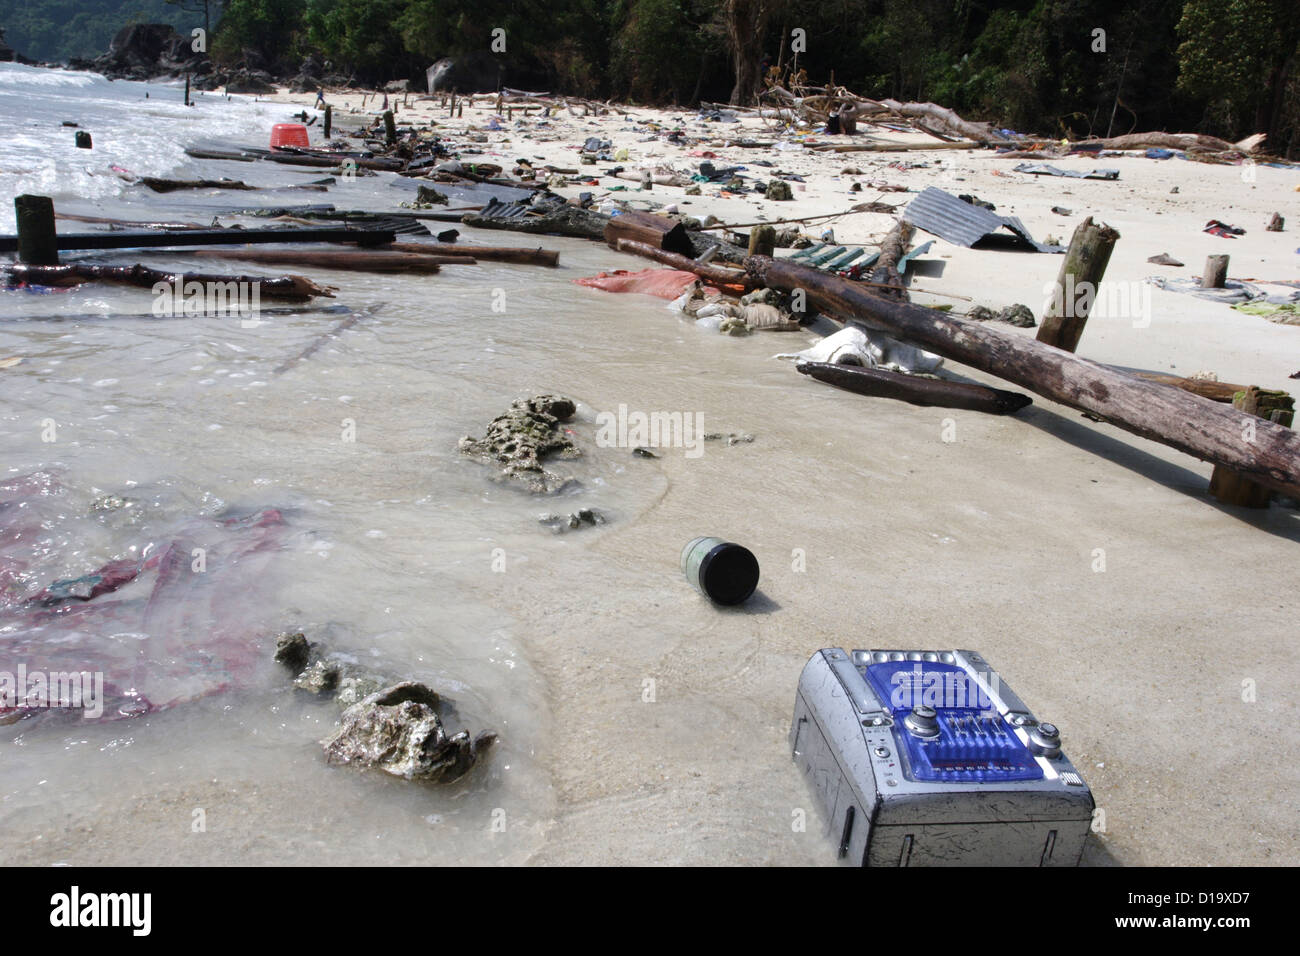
{"points": [[1089, 566], [987, 542]]}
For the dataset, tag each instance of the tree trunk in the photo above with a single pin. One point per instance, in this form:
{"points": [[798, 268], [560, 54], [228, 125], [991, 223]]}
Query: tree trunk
{"points": [[746, 26], [1171, 416]]}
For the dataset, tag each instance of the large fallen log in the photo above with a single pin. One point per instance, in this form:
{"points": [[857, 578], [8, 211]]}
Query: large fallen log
{"points": [[940, 116], [1183, 141], [1167, 415], [291, 287], [369, 261], [916, 389], [658, 231], [719, 274]]}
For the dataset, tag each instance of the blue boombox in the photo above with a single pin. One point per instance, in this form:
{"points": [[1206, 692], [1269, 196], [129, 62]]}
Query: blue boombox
{"points": [[925, 758]]}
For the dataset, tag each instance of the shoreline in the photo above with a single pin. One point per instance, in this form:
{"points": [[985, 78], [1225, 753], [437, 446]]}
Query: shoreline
{"points": [[986, 542]]}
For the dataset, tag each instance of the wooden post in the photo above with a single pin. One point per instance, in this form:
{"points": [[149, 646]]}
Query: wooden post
{"points": [[460, 111], [329, 119], [37, 244], [500, 100], [1076, 285], [390, 128], [187, 89], [762, 240], [1216, 272], [1230, 486], [452, 110]]}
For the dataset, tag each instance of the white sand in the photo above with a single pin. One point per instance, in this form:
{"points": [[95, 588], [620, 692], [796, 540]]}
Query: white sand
{"points": [[988, 542]]}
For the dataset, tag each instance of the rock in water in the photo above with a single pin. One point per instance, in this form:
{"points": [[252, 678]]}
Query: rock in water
{"points": [[398, 730], [1018, 315], [521, 438]]}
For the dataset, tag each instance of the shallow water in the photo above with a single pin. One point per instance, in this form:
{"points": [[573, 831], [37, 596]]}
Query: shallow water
{"points": [[391, 535]]}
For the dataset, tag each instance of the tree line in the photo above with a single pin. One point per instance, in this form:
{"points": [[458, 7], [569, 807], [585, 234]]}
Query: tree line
{"points": [[1054, 67]]}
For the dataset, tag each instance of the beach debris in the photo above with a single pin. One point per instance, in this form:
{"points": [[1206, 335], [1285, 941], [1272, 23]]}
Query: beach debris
{"points": [[398, 730], [1275, 224], [779, 190], [1217, 228], [1234, 291], [1061, 211], [550, 217], [916, 389], [205, 237], [1232, 487], [731, 438], [1284, 313], [342, 260], [583, 517], [1164, 259], [172, 185], [1043, 169], [642, 452], [1018, 315], [190, 633], [855, 345], [293, 650], [657, 231], [1082, 268], [662, 283], [523, 437], [1154, 411], [725, 572], [944, 215]]}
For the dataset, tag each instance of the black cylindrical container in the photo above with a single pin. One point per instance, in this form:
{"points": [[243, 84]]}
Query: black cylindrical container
{"points": [[725, 572]]}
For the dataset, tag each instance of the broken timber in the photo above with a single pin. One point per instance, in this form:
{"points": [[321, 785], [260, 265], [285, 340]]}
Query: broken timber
{"points": [[916, 389], [290, 287], [1167, 415], [209, 237]]}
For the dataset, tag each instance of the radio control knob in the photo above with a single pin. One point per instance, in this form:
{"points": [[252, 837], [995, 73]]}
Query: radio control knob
{"points": [[1045, 740], [922, 722]]}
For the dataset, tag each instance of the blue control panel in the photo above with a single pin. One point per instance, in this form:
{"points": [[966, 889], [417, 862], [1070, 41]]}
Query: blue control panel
{"points": [[950, 729]]}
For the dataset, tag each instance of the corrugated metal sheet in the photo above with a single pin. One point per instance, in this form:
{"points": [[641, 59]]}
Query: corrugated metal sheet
{"points": [[944, 215]]}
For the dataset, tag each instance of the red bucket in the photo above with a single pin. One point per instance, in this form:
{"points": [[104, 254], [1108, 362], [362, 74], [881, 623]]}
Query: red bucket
{"points": [[289, 134]]}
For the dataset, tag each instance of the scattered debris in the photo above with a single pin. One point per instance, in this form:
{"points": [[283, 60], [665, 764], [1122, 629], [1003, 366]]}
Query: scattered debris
{"points": [[1164, 259], [1018, 315], [584, 517], [1275, 224], [944, 215], [916, 389], [1216, 228], [1043, 169]]}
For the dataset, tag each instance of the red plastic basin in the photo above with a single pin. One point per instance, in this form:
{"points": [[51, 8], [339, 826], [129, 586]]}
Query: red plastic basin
{"points": [[288, 134]]}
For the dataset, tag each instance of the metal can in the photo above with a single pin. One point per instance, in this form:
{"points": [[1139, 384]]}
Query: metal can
{"points": [[725, 572]]}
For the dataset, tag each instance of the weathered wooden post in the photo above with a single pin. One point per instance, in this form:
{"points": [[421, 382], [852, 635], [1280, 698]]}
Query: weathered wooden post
{"points": [[390, 128], [1216, 272], [452, 110], [329, 119], [1230, 486], [37, 244], [762, 240], [1076, 285], [187, 89]]}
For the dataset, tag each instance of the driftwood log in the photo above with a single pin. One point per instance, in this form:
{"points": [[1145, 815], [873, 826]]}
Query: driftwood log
{"points": [[292, 287], [347, 260], [916, 389], [1170, 416], [658, 231], [712, 273], [525, 256]]}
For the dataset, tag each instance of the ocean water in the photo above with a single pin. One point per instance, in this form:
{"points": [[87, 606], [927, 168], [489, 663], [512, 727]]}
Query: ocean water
{"points": [[395, 551]]}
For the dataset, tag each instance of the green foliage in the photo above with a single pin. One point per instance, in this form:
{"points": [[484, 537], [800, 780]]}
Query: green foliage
{"points": [[59, 29], [1028, 64]]}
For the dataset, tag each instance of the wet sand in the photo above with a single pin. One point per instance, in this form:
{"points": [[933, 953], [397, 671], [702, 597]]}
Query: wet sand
{"points": [[661, 721]]}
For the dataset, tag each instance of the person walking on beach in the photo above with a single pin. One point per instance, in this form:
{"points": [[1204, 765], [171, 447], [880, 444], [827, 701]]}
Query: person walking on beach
{"points": [[320, 100]]}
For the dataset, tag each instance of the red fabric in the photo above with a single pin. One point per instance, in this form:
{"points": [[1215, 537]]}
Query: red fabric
{"points": [[664, 283]]}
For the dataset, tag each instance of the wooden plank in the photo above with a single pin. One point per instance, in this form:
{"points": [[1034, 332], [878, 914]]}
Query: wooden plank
{"points": [[210, 237]]}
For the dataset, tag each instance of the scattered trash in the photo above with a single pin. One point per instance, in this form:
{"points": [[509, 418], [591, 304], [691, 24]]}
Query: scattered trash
{"points": [[976, 201], [1043, 169], [1018, 315], [663, 283], [1216, 228], [1061, 211], [857, 346], [1275, 224], [724, 572], [944, 215], [1164, 259], [582, 517], [916, 389]]}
